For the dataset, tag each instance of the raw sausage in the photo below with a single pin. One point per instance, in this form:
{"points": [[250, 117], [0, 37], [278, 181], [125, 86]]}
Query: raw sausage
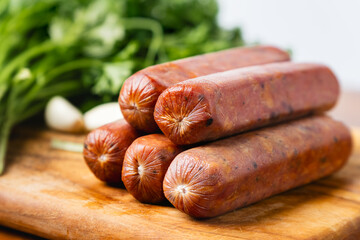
{"points": [[216, 178], [145, 165], [223, 104], [139, 93], [105, 147]]}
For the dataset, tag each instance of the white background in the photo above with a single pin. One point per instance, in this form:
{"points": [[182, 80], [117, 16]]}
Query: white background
{"points": [[324, 31]]}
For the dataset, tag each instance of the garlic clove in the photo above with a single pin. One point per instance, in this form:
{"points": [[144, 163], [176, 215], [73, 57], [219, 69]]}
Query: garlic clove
{"points": [[61, 115], [101, 115]]}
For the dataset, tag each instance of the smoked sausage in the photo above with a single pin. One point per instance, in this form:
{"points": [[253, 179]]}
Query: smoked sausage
{"points": [[139, 93], [105, 147], [221, 176], [223, 104], [145, 165]]}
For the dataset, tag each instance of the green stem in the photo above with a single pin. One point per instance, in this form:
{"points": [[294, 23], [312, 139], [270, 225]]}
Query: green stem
{"points": [[154, 27], [4, 138], [67, 67], [21, 59], [59, 89], [8, 121], [29, 105], [70, 66], [3, 6], [4, 49], [67, 146], [12, 24]]}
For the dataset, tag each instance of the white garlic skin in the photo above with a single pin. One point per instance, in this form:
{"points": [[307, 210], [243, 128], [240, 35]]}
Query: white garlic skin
{"points": [[101, 115], [61, 115]]}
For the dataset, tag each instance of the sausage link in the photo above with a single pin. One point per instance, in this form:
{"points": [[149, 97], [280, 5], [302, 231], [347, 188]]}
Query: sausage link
{"points": [[223, 104], [145, 165], [105, 147], [216, 178], [140, 92]]}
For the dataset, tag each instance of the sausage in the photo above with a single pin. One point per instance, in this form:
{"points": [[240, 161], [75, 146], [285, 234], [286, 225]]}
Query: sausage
{"points": [[223, 104], [139, 92], [145, 165], [105, 147], [219, 177]]}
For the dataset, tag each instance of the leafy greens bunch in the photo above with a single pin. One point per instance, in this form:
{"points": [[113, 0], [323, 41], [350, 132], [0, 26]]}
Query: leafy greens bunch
{"points": [[88, 48]]}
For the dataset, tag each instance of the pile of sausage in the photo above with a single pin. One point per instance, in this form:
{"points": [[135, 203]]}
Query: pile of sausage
{"points": [[237, 126]]}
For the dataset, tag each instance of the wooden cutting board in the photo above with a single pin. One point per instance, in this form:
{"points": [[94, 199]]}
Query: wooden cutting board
{"points": [[51, 193]]}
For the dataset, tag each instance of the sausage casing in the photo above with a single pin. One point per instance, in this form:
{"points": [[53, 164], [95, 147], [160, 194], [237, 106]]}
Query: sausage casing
{"points": [[105, 147], [145, 165], [223, 104], [221, 176], [140, 92]]}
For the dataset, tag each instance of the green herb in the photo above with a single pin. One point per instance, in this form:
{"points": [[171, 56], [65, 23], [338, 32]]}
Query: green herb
{"points": [[67, 145], [86, 49]]}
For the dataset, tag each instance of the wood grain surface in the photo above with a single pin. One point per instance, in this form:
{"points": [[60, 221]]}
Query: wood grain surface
{"points": [[52, 194], [327, 209]]}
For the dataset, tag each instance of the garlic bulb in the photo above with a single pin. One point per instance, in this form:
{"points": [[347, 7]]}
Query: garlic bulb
{"points": [[61, 115], [101, 115]]}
